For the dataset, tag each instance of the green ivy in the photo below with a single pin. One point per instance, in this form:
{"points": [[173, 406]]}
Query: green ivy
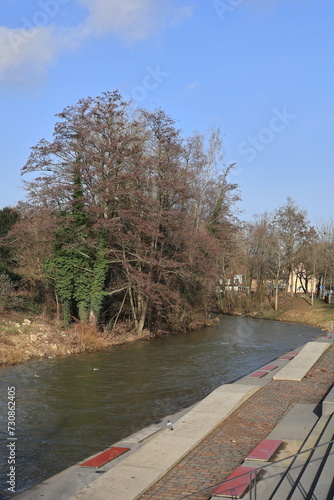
{"points": [[100, 272], [78, 268]]}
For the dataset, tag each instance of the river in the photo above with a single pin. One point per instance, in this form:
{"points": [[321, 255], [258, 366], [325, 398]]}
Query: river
{"points": [[68, 409]]}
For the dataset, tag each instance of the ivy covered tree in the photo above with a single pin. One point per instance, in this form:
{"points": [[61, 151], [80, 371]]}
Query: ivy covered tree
{"points": [[78, 266], [8, 260]]}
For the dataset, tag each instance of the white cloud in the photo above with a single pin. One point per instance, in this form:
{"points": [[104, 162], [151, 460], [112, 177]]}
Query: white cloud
{"points": [[26, 52], [131, 19]]}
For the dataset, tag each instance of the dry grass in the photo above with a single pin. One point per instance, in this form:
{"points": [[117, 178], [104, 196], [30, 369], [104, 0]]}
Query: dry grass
{"points": [[10, 357], [299, 310], [89, 338], [22, 339]]}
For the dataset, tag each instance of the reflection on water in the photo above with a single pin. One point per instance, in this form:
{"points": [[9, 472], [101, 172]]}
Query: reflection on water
{"points": [[71, 408]]}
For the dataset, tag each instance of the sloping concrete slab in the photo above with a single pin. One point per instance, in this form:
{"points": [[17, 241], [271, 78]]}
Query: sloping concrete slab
{"points": [[302, 472], [303, 362], [328, 403], [138, 472], [160, 453], [318, 458], [294, 477], [140, 436], [296, 425], [269, 478], [125, 485], [325, 481]]}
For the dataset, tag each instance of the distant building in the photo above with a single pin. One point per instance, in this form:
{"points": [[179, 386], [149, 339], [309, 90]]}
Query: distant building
{"points": [[235, 283], [298, 282]]}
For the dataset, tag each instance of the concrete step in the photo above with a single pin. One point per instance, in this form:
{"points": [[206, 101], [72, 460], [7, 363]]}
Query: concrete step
{"points": [[292, 479], [325, 484], [328, 403], [296, 482], [310, 474]]}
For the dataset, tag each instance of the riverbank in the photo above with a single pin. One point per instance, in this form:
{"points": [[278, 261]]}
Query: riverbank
{"points": [[22, 338], [299, 309]]}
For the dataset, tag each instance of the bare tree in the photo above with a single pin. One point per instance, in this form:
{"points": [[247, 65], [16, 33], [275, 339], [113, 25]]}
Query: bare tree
{"points": [[293, 229], [144, 219]]}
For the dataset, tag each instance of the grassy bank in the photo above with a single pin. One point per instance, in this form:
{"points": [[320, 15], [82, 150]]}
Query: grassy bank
{"points": [[300, 310]]}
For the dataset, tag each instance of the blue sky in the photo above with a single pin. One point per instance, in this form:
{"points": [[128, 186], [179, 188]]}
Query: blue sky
{"points": [[261, 70]]}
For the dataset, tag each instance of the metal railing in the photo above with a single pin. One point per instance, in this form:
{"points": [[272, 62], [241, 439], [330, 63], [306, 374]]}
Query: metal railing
{"points": [[252, 475]]}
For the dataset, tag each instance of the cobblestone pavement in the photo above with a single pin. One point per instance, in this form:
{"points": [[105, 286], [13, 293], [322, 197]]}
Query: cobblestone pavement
{"points": [[226, 447]]}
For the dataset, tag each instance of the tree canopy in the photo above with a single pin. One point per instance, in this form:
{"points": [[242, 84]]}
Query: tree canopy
{"points": [[137, 221]]}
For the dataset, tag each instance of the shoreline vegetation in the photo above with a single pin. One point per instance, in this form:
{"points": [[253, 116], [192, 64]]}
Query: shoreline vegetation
{"points": [[25, 337], [299, 309], [130, 230], [30, 338]]}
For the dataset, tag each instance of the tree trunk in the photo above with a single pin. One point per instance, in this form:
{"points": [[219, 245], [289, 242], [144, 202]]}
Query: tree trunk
{"points": [[319, 288], [139, 309], [120, 310], [278, 272], [58, 306], [291, 283], [324, 285], [92, 318], [141, 314], [276, 295]]}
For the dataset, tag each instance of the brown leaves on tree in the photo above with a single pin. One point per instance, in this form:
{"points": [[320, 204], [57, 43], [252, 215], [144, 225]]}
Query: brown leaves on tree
{"points": [[163, 202]]}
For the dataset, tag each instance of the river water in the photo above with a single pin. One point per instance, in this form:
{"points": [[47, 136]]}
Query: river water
{"points": [[68, 409]]}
